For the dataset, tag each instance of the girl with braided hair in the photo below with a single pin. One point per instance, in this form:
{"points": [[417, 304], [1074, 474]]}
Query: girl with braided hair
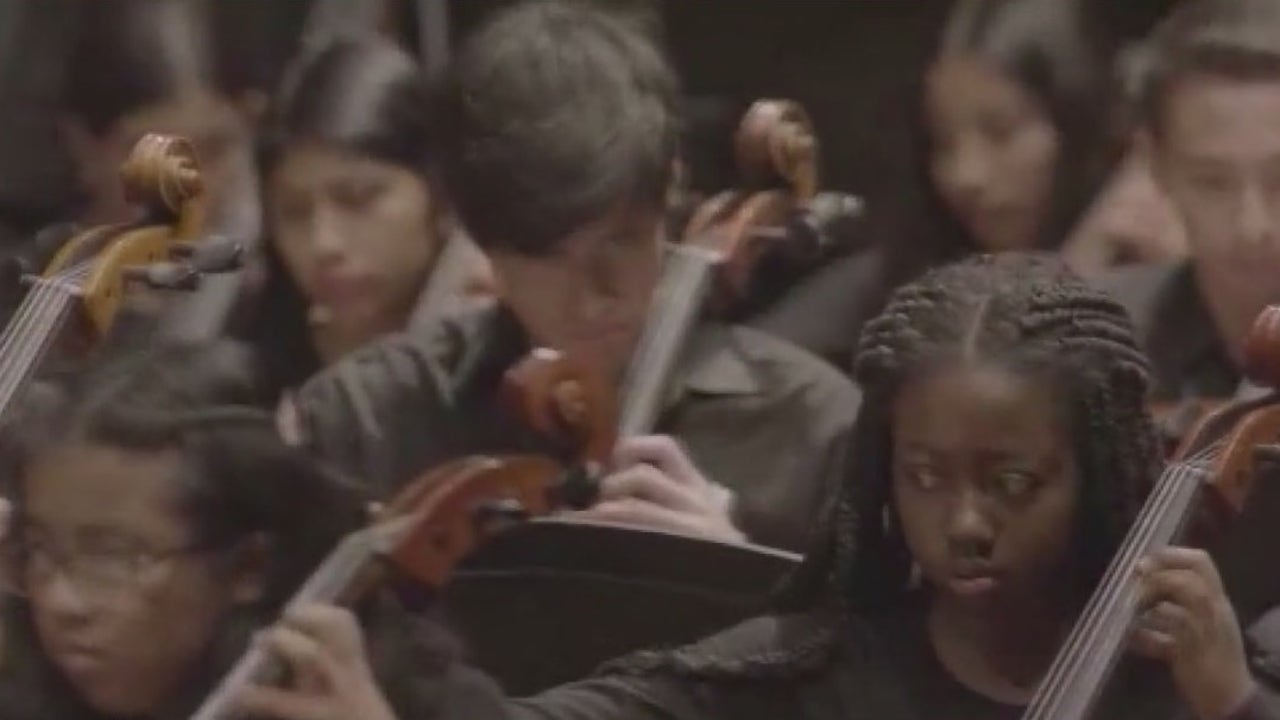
{"points": [[1003, 451], [156, 525]]}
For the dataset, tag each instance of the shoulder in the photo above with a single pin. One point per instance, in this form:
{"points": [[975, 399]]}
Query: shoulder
{"points": [[824, 312], [787, 372], [390, 370], [1142, 288], [764, 640]]}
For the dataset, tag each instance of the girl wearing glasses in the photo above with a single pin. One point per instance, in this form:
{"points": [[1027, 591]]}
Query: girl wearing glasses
{"points": [[156, 524]]}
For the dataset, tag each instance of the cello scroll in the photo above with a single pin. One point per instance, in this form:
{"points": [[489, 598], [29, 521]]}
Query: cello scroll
{"points": [[777, 226]]}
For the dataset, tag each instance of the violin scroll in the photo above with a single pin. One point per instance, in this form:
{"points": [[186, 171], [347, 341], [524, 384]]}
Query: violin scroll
{"points": [[563, 399]]}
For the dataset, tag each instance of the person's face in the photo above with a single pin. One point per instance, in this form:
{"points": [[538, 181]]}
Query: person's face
{"points": [[212, 123], [123, 600], [592, 294], [985, 484], [994, 152], [355, 233], [1217, 157]]}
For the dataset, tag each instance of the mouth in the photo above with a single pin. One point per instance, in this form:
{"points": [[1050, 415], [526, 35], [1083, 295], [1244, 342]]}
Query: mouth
{"points": [[340, 288], [973, 580], [972, 587], [81, 660]]}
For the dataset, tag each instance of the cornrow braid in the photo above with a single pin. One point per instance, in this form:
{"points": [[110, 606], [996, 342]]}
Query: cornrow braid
{"points": [[1025, 310]]}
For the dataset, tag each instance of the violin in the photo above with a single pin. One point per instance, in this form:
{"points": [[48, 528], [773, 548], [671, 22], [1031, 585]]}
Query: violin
{"points": [[95, 269], [1206, 485]]}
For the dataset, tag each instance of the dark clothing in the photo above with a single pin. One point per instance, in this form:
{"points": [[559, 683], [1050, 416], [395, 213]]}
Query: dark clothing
{"points": [[411, 661], [885, 670], [1174, 327], [824, 313], [756, 414]]}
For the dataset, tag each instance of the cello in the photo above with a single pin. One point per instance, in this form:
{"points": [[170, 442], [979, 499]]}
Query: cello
{"points": [[1208, 482], [738, 249], [93, 271], [430, 526]]}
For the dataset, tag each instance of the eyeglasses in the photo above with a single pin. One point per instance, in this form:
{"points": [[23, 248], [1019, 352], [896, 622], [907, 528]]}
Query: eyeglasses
{"points": [[96, 572]]}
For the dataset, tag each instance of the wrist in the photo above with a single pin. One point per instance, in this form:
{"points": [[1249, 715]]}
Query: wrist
{"points": [[1234, 705]]}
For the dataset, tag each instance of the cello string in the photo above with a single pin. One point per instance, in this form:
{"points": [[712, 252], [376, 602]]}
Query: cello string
{"points": [[38, 330], [1101, 607], [16, 331], [1111, 633], [1048, 700], [32, 316], [1105, 596], [1170, 478], [1064, 665]]}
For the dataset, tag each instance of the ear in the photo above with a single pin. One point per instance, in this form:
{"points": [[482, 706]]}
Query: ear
{"points": [[250, 563]]}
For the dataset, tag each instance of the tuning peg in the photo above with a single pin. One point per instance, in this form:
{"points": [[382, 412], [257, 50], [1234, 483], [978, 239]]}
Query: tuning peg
{"points": [[772, 233], [211, 255], [508, 509], [494, 515], [164, 276]]}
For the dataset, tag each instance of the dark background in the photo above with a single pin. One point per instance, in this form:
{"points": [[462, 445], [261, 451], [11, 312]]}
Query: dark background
{"points": [[852, 63]]}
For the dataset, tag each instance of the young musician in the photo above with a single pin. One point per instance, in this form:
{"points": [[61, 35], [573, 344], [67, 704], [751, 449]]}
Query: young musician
{"points": [[555, 142], [155, 527], [1211, 104], [353, 230], [1004, 451]]}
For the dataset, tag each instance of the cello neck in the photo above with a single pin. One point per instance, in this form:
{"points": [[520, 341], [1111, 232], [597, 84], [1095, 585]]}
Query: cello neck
{"points": [[1079, 672], [346, 573], [687, 275], [29, 335]]}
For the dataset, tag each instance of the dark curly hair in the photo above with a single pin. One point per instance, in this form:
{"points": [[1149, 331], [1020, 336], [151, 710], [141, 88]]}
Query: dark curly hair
{"points": [[1024, 310]]}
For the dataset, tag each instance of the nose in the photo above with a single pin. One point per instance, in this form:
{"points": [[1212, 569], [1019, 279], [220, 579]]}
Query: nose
{"points": [[1255, 217], [327, 236], [966, 170], [62, 599], [970, 531]]}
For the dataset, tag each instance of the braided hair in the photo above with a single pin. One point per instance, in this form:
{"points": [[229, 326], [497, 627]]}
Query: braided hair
{"points": [[1024, 310]]}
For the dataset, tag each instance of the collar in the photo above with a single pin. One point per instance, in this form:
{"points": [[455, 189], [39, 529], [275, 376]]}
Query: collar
{"points": [[1184, 338], [716, 363], [717, 359]]}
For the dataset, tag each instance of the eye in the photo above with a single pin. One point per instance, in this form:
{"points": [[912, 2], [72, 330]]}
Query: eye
{"points": [[292, 207], [358, 193], [998, 131], [1212, 182], [1016, 484], [922, 476]]}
